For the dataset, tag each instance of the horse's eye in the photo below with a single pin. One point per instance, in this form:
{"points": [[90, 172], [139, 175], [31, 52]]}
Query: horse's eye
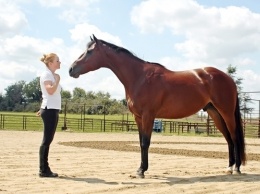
{"points": [[89, 51]]}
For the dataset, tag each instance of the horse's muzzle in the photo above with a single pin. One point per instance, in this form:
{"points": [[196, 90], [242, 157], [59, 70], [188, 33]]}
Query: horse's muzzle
{"points": [[73, 73]]}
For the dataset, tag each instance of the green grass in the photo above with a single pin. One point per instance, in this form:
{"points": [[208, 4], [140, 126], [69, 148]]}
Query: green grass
{"points": [[29, 121], [101, 123]]}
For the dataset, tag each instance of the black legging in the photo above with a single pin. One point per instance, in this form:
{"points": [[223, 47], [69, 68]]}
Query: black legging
{"points": [[50, 119]]}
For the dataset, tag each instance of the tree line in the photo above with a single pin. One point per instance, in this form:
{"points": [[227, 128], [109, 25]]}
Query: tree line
{"points": [[26, 97]]}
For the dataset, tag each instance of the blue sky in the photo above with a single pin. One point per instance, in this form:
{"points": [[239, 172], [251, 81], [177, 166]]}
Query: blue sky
{"points": [[179, 34]]}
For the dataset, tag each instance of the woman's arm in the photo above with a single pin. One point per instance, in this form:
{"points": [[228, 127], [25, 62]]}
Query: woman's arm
{"points": [[50, 86]]}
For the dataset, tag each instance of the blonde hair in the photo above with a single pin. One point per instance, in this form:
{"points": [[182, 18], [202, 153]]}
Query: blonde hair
{"points": [[46, 58]]}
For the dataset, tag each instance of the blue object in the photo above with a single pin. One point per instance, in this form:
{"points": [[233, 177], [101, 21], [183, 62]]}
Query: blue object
{"points": [[157, 125]]}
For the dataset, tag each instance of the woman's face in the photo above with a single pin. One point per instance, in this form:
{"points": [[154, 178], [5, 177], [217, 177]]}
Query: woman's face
{"points": [[56, 63]]}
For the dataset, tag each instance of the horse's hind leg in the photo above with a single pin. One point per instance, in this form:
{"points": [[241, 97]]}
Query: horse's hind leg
{"points": [[221, 125], [234, 124]]}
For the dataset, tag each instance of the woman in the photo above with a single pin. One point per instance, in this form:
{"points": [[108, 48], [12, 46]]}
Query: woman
{"points": [[49, 112]]}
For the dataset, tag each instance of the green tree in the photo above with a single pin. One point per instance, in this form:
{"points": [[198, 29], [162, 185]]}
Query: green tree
{"points": [[244, 98], [90, 95], [117, 107], [66, 95], [79, 93], [124, 102], [32, 91], [15, 96], [77, 101], [3, 103], [27, 97]]}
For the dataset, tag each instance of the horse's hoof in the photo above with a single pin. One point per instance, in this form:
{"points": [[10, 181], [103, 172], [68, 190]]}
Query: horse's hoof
{"points": [[141, 176], [229, 170], [140, 173], [236, 172]]}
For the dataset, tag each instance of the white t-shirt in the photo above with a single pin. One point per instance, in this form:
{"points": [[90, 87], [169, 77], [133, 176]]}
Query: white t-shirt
{"points": [[50, 101]]}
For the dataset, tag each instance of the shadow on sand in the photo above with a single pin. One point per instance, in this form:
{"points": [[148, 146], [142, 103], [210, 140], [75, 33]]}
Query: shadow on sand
{"points": [[172, 180]]}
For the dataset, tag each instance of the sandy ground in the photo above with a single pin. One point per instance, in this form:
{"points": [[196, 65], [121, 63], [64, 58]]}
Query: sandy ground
{"points": [[87, 170]]}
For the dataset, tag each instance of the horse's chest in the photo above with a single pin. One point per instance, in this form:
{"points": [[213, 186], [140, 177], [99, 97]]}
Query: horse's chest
{"points": [[133, 105]]}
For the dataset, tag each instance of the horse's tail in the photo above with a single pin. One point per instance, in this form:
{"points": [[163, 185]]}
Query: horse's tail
{"points": [[240, 133]]}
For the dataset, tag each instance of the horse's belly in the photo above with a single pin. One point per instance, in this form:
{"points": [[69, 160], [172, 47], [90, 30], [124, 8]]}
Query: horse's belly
{"points": [[176, 115], [178, 111]]}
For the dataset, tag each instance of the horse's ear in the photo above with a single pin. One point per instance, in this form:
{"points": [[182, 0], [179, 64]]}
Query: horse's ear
{"points": [[94, 38], [91, 38]]}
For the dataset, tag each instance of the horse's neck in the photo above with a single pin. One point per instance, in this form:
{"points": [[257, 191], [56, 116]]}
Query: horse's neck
{"points": [[127, 71]]}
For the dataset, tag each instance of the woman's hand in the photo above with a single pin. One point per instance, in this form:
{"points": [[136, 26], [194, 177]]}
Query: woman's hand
{"points": [[50, 86], [57, 78], [38, 113]]}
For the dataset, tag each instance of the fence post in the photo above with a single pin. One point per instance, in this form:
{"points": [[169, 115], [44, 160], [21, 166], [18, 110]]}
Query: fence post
{"points": [[3, 121], [104, 118], [1, 118], [23, 122], [208, 123], [258, 118], [65, 113], [259, 128], [84, 110]]}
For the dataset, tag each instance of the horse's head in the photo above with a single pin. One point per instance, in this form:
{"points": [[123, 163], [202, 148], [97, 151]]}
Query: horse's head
{"points": [[88, 61]]}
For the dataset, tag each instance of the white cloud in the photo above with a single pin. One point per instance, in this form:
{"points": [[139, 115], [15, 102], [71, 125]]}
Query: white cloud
{"points": [[60, 3], [81, 33], [209, 32], [210, 36], [251, 80], [153, 15], [179, 64], [23, 49], [73, 16], [112, 85], [103, 79], [12, 19], [74, 12], [19, 57]]}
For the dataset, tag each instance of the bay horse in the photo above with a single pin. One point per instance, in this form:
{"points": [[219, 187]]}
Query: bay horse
{"points": [[152, 91]]}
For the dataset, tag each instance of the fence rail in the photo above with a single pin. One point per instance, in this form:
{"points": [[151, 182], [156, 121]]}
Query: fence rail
{"points": [[24, 122]]}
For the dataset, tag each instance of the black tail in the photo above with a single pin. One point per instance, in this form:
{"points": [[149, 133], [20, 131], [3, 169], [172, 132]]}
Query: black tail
{"points": [[240, 133]]}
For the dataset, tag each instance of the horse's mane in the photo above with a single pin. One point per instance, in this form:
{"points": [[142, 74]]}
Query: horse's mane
{"points": [[121, 49]]}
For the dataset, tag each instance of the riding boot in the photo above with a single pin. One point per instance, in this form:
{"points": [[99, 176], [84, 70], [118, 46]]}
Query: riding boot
{"points": [[45, 170]]}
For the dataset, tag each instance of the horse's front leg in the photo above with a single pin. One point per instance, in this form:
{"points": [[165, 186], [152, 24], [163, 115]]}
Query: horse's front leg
{"points": [[144, 145], [145, 125]]}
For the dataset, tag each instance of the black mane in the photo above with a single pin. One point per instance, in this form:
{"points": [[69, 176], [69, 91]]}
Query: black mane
{"points": [[121, 49]]}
